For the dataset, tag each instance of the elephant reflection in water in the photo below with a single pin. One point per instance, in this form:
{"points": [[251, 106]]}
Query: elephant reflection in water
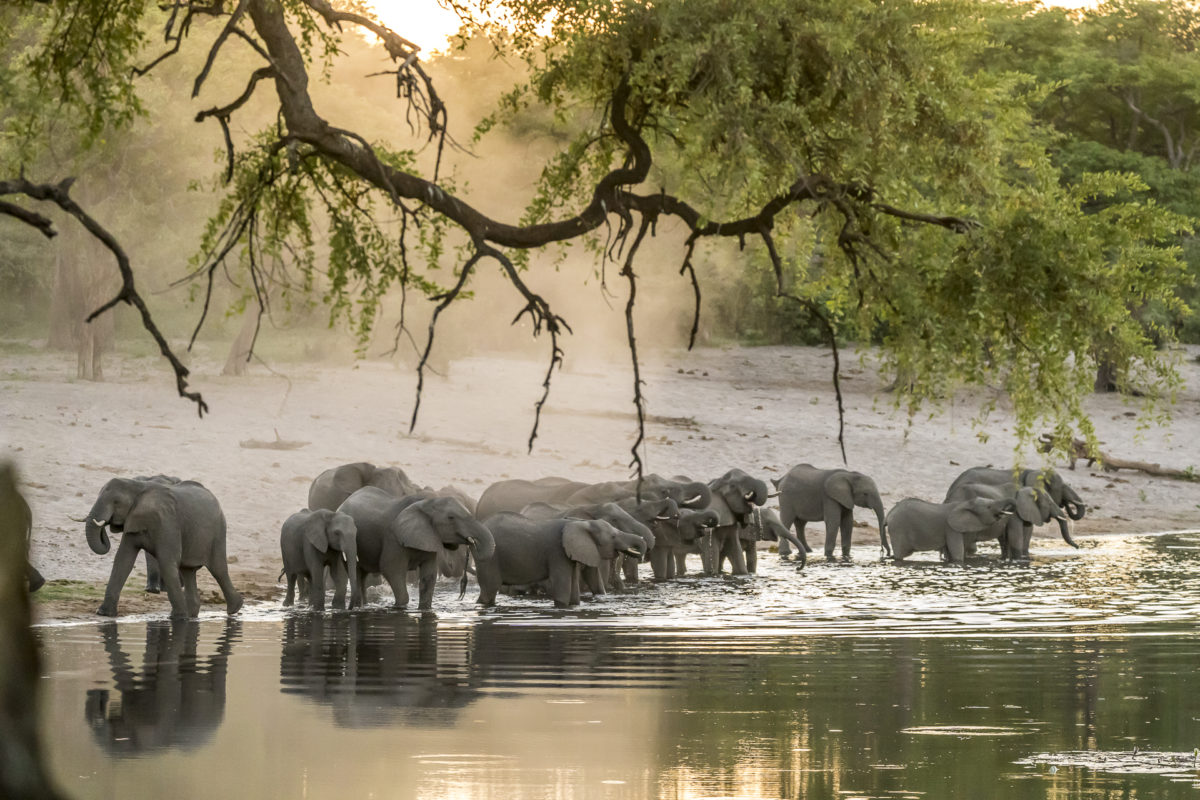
{"points": [[175, 700], [373, 669]]}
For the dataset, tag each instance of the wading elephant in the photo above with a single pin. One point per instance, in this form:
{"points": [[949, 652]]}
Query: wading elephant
{"points": [[808, 494], [180, 524], [1010, 481], [771, 530], [690, 532], [331, 488], [513, 495], [516, 493], [310, 541], [734, 496], [399, 534], [530, 551], [919, 525], [608, 574], [1031, 507]]}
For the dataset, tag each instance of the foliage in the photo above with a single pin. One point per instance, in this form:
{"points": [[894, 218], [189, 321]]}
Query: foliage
{"points": [[853, 148]]}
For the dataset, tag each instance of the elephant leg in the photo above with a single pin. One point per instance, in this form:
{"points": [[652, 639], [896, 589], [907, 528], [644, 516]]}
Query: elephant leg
{"points": [[575, 579], [593, 577], [291, 590], [338, 570], [847, 527], [680, 560], [122, 566], [395, 571], [219, 569], [316, 587], [487, 575], [659, 558], [752, 557], [670, 564], [173, 583], [36, 581], [190, 593], [954, 546], [154, 582], [615, 579], [733, 549], [427, 579], [800, 536], [561, 578]]}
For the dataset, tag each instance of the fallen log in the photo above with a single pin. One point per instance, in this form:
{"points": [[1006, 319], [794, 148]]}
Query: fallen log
{"points": [[1079, 450]]}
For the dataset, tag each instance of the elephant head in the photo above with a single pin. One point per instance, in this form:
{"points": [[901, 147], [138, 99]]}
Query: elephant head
{"points": [[978, 514], [1062, 494], [122, 505], [649, 511], [622, 520], [685, 492], [849, 489], [740, 492], [1036, 507], [326, 529], [442, 523], [589, 542]]}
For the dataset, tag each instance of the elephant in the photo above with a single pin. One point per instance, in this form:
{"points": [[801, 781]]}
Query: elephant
{"points": [[175, 701], [808, 494], [771, 530], [1032, 507], [33, 578], [734, 496], [513, 495], [616, 515], [529, 551], [689, 532], [331, 488], [310, 541], [180, 524], [920, 525], [1060, 493], [399, 534]]}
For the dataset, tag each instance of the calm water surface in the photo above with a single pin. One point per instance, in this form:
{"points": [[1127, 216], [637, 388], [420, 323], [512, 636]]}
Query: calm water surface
{"points": [[841, 681]]}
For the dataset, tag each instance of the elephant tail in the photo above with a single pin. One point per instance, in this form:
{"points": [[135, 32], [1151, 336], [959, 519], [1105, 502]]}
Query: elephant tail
{"points": [[277, 580], [462, 585]]}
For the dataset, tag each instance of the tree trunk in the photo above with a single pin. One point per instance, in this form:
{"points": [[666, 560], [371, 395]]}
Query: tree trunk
{"points": [[83, 281], [239, 351], [1106, 376]]}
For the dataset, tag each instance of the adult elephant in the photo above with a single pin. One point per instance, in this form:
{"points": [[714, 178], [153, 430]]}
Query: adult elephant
{"points": [[310, 542], [734, 496], [331, 488], [1031, 507], [609, 573], [808, 494], [1048, 480], [689, 532], [180, 524], [530, 551], [399, 534], [516, 493], [920, 525]]}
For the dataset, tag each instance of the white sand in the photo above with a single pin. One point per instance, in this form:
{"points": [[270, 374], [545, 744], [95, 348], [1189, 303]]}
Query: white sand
{"points": [[760, 409]]}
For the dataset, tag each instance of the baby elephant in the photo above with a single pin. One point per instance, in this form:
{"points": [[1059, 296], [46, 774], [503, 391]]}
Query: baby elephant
{"points": [[310, 542], [919, 525]]}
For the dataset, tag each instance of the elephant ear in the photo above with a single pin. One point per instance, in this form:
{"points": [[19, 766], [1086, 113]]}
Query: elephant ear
{"points": [[153, 509], [578, 544], [720, 505], [839, 489], [350, 478], [963, 518], [413, 528], [1027, 505], [315, 532]]}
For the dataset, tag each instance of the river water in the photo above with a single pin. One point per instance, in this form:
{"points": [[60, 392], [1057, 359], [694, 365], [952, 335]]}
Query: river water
{"points": [[1073, 677]]}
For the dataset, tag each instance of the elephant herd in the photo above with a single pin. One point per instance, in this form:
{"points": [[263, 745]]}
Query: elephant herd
{"points": [[552, 535]]}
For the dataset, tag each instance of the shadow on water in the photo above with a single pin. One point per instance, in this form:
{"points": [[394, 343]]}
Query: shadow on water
{"points": [[862, 680]]}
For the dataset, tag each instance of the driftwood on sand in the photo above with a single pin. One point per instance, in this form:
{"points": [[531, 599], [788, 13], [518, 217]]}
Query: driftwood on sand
{"points": [[1109, 463], [278, 444]]}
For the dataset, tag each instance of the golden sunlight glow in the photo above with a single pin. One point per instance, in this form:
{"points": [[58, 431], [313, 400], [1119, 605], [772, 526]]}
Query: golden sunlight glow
{"points": [[423, 22]]}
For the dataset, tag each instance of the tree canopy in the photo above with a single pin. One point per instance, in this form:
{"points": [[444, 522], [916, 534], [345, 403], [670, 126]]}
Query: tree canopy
{"points": [[880, 160]]}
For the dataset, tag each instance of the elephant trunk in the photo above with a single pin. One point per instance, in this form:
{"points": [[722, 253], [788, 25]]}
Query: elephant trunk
{"points": [[877, 507], [350, 551], [480, 539], [1074, 510], [97, 535], [696, 495], [707, 547], [1064, 527]]}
